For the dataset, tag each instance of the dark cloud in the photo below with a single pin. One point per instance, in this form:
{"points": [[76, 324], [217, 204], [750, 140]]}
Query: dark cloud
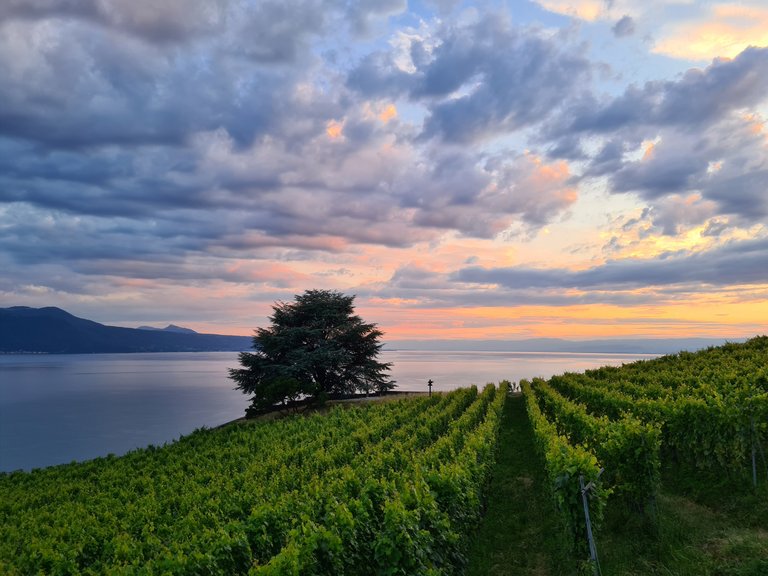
{"points": [[271, 31], [277, 32], [238, 69], [444, 6], [697, 99], [567, 148], [725, 164], [379, 75], [363, 13], [674, 214], [480, 79], [624, 27], [743, 194], [425, 288], [670, 168], [744, 262], [608, 159], [168, 22], [715, 227], [703, 143], [113, 91]]}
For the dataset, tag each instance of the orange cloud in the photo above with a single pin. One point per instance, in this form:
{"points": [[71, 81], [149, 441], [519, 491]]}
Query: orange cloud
{"points": [[388, 113], [756, 123], [648, 153], [713, 315], [381, 111], [720, 30], [724, 31], [589, 10], [554, 174], [334, 129]]}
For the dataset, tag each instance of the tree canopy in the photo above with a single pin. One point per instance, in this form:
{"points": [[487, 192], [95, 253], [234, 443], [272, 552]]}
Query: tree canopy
{"points": [[315, 348]]}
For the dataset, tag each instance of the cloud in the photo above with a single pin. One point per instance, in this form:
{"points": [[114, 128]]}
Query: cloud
{"points": [[167, 22], [416, 286], [682, 28], [277, 32], [722, 29], [673, 214], [479, 79], [116, 91], [359, 184], [734, 263], [238, 69], [689, 137], [726, 165], [268, 31], [625, 26], [363, 13], [484, 201], [697, 98], [589, 10], [243, 151], [268, 142]]}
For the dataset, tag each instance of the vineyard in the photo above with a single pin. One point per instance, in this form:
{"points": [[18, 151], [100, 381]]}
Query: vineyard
{"points": [[615, 429], [662, 462], [384, 488]]}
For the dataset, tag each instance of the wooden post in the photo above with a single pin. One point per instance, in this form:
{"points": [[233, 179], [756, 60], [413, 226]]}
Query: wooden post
{"points": [[429, 384]]}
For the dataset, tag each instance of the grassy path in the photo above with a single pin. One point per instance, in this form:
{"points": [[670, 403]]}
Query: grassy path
{"points": [[519, 534]]}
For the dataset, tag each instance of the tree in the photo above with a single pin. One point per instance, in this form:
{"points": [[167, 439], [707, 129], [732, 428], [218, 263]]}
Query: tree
{"points": [[316, 348]]}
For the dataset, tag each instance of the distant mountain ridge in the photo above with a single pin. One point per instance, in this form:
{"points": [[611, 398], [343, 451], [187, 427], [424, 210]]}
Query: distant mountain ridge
{"points": [[54, 331], [169, 328]]}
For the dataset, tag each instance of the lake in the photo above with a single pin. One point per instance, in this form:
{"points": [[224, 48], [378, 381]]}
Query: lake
{"points": [[59, 408]]}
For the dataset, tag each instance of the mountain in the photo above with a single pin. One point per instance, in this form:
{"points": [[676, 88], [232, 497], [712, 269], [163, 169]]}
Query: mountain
{"points": [[169, 328], [54, 331]]}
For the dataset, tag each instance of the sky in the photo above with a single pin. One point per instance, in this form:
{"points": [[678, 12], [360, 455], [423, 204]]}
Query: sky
{"points": [[469, 170]]}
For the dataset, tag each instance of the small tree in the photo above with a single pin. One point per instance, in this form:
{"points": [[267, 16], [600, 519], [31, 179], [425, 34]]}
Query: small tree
{"points": [[316, 348]]}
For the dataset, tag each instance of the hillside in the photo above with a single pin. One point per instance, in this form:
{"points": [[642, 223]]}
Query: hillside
{"points": [[382, 488], [673, 450], [54, 331]]}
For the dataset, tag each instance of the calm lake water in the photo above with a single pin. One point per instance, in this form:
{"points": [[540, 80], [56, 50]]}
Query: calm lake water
{"points": [[59, 408]]}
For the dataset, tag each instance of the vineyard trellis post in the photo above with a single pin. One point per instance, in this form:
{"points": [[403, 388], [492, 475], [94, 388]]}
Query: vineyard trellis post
{"points": [[590, 536]]}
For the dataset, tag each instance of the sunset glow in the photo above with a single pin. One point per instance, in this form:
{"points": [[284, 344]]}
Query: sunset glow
{"points": [[494, 171]]}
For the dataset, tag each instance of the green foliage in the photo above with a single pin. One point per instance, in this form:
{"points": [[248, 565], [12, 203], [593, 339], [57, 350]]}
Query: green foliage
{"points": [[711, 406], [316, 347], [565, 463], [390, 488], [626, 447]]}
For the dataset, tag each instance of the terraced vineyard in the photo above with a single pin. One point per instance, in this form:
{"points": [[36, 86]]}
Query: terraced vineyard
{"points": [[384, 488], [703, 415]]}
